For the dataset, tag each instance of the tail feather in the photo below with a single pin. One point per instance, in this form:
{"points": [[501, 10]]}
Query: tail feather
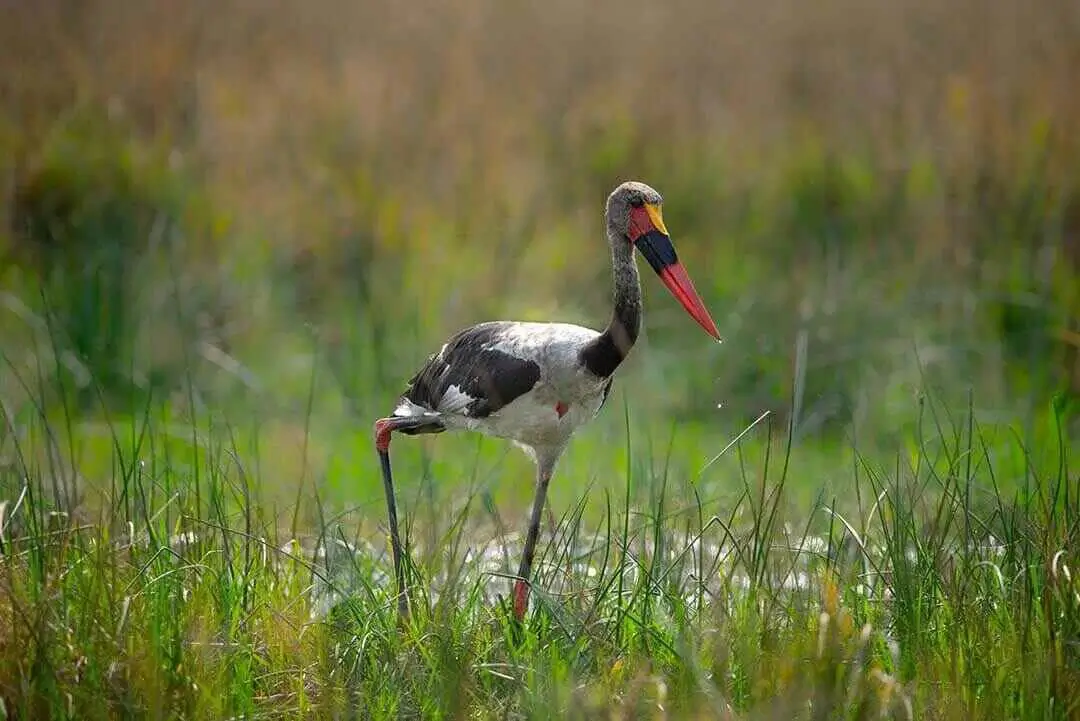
{"points": [[432, 427], [415, 419]]}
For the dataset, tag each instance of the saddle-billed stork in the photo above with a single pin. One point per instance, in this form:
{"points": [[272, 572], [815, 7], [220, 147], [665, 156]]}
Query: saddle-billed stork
{"points": [[537, 383]]}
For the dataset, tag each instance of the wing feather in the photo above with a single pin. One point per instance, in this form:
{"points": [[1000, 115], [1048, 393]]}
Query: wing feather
{"points": [[473, 374]]}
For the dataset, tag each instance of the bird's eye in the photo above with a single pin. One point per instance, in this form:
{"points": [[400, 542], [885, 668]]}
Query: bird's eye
{"points": [[637, 202]]}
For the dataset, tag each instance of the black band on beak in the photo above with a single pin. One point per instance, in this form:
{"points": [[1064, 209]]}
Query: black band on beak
{"points": [[657, 249]]}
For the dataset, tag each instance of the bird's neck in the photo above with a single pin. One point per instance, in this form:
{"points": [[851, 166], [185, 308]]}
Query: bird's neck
{"points": [[606, 353]]}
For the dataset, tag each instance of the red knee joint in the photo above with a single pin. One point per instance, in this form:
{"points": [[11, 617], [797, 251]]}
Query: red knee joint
{"points": [[521, 599], [383, 429]]}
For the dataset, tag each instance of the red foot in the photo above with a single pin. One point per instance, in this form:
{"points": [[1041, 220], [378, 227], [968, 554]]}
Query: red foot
{"points": [[561, 408], [383, 427], [521, 600]]}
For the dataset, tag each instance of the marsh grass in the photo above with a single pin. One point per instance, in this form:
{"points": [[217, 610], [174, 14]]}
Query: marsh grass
{"points": [[940, 586]]}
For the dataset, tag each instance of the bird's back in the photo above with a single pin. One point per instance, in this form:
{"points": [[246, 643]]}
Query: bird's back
{"points": [[484, 367]]}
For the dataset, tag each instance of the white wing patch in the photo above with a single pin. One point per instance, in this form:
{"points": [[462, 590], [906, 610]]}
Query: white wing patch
{"points": [[408, 409], [454, 400]]}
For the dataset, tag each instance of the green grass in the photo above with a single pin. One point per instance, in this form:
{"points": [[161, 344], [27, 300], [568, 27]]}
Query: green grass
{"points": [[150, 571]]}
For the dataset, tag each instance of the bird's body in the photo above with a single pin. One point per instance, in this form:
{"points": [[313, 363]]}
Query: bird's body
{"points": [[520, 381], [537, 383]]}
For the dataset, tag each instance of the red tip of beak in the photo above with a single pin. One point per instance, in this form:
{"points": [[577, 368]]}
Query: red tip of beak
{"points": [[680, 285]]}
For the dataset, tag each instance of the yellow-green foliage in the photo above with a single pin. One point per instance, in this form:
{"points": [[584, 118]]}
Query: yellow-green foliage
{"points": [[449, 163]]}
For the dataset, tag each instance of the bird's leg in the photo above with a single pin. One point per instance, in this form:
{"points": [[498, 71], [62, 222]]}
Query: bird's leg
{"points": [[383, 428], [521, 586]]}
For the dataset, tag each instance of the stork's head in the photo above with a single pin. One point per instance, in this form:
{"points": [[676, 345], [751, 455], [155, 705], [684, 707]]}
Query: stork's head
{"points": [[634, 216]]}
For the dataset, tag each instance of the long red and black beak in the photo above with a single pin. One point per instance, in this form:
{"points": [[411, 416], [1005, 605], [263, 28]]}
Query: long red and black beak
{"points": [[648, 233]]}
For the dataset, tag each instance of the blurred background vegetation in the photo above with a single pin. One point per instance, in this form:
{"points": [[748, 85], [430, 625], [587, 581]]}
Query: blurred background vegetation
{"points": [[287, 205]]}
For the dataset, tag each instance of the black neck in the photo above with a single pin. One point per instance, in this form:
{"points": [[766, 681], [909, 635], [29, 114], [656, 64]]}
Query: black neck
{"points": [[603, 355]]}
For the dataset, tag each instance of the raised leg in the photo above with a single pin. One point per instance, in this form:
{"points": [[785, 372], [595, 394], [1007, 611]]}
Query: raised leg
{"points": [[383, 429], [544, 469]]}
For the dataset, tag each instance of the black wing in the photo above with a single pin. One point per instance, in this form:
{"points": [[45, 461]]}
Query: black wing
{"points": [[471, 362]]}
